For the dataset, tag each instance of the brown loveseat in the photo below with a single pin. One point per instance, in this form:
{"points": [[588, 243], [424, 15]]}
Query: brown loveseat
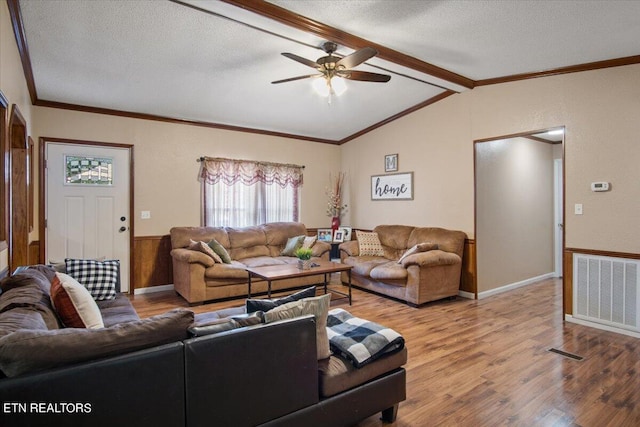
{"points": [[198, 278], [432, 273]]}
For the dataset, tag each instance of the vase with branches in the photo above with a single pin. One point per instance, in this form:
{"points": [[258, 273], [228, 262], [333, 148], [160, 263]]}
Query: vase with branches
{"points": [[335, 206]]}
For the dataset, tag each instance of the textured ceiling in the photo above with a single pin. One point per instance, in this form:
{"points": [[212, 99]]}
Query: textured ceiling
{"points": [[212, 62]]}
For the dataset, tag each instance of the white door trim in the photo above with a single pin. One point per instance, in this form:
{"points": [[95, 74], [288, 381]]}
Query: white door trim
{"points": [[558, 229], [43, 141]]}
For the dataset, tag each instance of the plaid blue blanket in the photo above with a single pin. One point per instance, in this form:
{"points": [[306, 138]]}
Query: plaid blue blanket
{"points": [[359, 340]]}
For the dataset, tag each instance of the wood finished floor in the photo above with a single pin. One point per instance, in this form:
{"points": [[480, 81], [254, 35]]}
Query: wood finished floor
{"points": [[486, 362]]}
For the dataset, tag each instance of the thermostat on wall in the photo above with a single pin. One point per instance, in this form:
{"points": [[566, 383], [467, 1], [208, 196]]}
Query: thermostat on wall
{"points": [[599, 186]]}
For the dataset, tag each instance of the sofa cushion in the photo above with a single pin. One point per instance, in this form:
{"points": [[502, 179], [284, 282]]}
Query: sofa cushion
{"points": [[390, 270], [337, 374], [269, 304], [215, 326], [219, 250], [224, 313], [420, 247], [292, 245], [74, 304], [117, 310], [30, 289], [262, 261], [21, 318], [235, 270], [101, 278], [205, 249], [22, 351], [363, 265], [369, 243], [318, 306]]}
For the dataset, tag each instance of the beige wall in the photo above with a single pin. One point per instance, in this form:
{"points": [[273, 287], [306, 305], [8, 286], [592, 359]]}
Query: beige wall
{"points": [[12, 82], [600, 110], [514, 211], [166, 170]]}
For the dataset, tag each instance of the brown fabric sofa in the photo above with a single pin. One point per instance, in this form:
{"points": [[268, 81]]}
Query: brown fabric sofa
{"points": [[421, 277], [198, 278]]}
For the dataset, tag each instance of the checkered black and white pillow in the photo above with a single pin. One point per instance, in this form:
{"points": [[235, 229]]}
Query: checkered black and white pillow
{"points": [[101, 278]]}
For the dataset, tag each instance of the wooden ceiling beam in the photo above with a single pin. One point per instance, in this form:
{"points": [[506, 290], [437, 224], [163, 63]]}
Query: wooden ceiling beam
{"points": [[333, 34]]}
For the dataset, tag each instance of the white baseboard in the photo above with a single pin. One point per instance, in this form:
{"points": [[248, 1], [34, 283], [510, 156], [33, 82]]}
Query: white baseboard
{"points": [[153, 289], [465, 294], [512, 286], [571, 319]]}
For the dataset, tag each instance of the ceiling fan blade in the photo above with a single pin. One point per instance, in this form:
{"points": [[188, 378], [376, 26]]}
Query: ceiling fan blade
{"points": [[291, 79], [357, 57], [364, 76], [302, 60]]}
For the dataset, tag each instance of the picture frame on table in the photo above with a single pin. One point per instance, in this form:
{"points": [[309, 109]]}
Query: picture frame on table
{"points": [[347, 233], [391, 163], [338, 236], [325, 235]]}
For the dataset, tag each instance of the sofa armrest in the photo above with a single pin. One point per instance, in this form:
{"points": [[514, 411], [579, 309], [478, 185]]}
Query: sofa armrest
{"points": [[251, 375], [189, 256], [150, 381], [350, 248], [320, 248], [431, 258]]}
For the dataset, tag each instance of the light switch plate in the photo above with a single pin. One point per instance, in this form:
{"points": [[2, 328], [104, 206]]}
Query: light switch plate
{"points": [[145, 214], [577, 209]]}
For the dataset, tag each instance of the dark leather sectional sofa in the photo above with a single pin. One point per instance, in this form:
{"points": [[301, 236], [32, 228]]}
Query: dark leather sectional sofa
{"points": [[264, 374]]}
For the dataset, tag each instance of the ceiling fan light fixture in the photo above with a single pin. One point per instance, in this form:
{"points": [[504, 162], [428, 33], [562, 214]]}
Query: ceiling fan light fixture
{"points": [[329, 86]]}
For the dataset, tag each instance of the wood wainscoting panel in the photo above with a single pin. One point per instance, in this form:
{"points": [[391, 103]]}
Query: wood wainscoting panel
{"points": [[468, 276], [567, 275], [34, 252], [152, 265]]}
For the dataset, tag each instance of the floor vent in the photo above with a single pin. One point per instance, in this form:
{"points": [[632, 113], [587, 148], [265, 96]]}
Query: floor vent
{"points": [[566, 354], [605, 290]]}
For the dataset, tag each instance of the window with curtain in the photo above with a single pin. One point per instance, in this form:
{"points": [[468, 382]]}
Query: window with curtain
{"points": [[240, 193]]}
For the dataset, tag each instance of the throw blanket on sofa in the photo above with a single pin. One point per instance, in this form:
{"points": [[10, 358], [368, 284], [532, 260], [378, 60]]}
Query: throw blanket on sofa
{"points": [[359, 340]]}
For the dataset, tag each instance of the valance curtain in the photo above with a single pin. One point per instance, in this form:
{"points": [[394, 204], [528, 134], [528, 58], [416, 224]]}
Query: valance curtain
{"points": [[239, 193]]}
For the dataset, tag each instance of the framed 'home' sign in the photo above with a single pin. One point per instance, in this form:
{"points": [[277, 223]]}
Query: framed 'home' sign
{"points": [[394, 186]]}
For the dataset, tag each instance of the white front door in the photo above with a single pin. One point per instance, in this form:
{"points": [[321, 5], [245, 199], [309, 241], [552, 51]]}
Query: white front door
{"points": [[87, 204]]}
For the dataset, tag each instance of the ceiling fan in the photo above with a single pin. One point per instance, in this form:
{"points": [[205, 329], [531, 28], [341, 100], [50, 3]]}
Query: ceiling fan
{"points": [[332, 66]]}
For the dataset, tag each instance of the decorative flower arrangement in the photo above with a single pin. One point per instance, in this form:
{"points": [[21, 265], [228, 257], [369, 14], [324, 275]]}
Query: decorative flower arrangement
{"points": [[335, 207], [304, 258], [304, 253]]}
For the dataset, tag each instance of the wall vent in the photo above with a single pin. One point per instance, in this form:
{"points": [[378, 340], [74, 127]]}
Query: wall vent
{"points": [[606, 291]]}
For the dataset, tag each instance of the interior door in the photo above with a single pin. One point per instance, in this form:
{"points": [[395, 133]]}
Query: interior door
{"points": [[88, 204]]}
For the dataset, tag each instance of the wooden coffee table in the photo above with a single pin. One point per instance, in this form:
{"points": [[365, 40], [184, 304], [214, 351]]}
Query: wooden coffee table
{"points": [[272, 273]]}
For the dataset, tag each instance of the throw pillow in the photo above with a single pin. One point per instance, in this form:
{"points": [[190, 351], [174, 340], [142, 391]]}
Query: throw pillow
{"points": [[420, 247], [309, 241], [268, 304], [369, 243], [318, 306], [101, 278], [220, 250], [205, 249], [22, 352], [293, 244], [74, 304]]}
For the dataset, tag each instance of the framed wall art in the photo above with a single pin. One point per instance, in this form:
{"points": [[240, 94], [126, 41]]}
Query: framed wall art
{"points": [[395, 186], [391, 163]]}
